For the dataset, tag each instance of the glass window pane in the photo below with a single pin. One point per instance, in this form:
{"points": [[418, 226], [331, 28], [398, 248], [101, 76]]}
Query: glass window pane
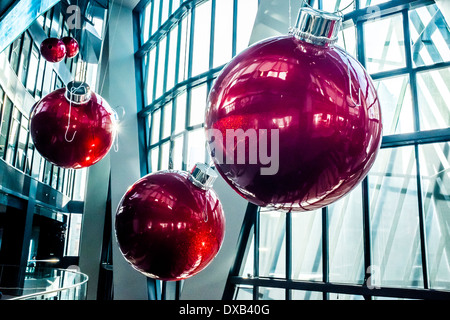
{"points": [[340, 296], [26, 46], [202, 30], [223, 32], [345, 234], [196, 148], [384, 44], [155, 22], [12, 138], [145, 26], [307, 245], [198, 104], [165, 11], [154, 159], [272, 293], [74, 234], [246, 14], [175, 5], [272, 244], [7, 110], [150, 77], [396, 105], [435, 174], [433, 91], [394, 219], [429, 36], [39, 79], [47, 172], [171, 64], [160, 86], [184, 47], [165, 156], [306, 295], [167, 124], [347, 40], [180, 120], [156, 121], [80, 184], [177, 153], [55, 173], [244, 292], [22, 144], [14, 55], [29, 156], [32, 69]]}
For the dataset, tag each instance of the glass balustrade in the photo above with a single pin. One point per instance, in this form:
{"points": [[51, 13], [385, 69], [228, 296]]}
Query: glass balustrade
{"points": [[42, 283]]}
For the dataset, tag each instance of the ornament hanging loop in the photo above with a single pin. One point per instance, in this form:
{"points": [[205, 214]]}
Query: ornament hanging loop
{"points": [[77, 92]]}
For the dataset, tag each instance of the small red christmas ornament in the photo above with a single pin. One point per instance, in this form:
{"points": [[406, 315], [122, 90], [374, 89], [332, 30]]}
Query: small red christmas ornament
{"points": [[53, 49], [294, 122], [72, 47], [73, 127], [170, 224]]}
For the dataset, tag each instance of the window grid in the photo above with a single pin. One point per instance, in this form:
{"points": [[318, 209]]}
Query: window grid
{"points": [[237, 282], [258, 285], [158, 96]]}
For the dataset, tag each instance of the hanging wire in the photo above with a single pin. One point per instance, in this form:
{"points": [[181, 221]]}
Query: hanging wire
{"points": [[72, 90]]}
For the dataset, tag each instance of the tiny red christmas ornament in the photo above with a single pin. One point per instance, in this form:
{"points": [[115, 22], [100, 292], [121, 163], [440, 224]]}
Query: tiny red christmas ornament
{"points": [[53, 49], [73, 127], [170, 224], [72, 46], [294, 122]]}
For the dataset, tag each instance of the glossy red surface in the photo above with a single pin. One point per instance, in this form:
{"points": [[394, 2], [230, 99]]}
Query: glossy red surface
{"points": [[167, 228], [53, 49], [92, 129], [72, 47], [328, 141]]}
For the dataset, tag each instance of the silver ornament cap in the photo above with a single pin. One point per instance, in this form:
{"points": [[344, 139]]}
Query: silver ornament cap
{"points": [[78, 92], [317, 27], [203, 176]]}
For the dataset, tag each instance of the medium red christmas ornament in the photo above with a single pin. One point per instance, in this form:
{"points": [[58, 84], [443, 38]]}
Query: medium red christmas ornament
{"points": [[53, 49], [72, 47], [73, 127], [294, 122], [170, 224]]}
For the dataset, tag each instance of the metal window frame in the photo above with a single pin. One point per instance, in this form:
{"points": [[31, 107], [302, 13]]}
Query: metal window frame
{"points": [[251, 227], [397, 140]]}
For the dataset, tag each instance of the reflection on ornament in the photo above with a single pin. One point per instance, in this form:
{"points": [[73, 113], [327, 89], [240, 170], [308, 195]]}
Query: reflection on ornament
{"points": [[72, 47], [72, 127], [53, 49], [320, 102], [170, 224]]}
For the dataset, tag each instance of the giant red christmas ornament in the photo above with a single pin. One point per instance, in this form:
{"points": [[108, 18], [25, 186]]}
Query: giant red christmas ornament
{"points": [[293, 121], [53, 49], [72, 127], [72, 47], [170, 224]]}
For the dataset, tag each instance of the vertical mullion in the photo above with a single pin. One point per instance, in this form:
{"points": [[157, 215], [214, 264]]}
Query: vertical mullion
{"points": [[188, 89], [288, 252], [256, 235], [365, 182], [211, 38], [234, 45], [325, 264], [415, 102]]}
